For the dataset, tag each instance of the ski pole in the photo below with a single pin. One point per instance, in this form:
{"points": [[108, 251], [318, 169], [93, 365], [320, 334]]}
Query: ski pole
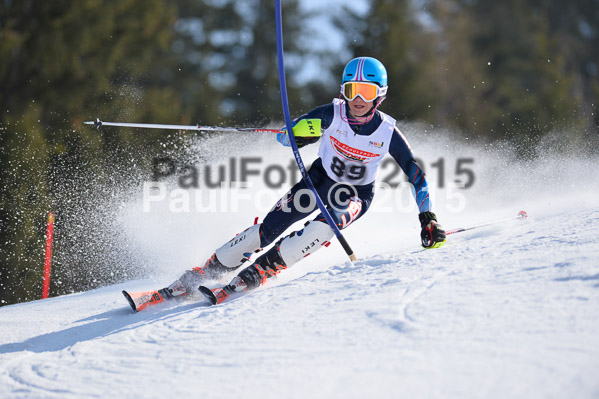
{"points": [[521, 215], [286, 113], [98, 123]]}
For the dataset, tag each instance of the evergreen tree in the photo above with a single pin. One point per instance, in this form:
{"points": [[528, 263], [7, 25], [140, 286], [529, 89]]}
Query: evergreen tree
{"points": [[574, 26], [226, 52], [526, 92], [391, 33], [63, 62], [513, 68]]}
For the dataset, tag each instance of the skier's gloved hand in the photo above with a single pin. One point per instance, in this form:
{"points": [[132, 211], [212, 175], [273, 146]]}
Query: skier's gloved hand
{"points": [[282, 136], [432, 233], [306, 131]]}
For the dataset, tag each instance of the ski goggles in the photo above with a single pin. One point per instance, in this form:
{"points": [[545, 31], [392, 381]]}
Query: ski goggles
{"points": [[368, 91]]}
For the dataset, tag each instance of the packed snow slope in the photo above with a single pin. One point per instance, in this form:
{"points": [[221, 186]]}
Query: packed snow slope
{"points": [[505, 311]]}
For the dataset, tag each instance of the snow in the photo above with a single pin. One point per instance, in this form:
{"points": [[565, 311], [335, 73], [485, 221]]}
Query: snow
{"points": [[508, 310]]}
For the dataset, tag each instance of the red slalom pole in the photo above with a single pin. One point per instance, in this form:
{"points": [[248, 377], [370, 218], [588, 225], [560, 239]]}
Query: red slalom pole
{"points": [[48, 258], [521, 215]]}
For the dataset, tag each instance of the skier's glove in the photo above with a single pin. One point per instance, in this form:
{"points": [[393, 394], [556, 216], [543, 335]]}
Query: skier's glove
{"points": [[306, 131], [432, 234]]}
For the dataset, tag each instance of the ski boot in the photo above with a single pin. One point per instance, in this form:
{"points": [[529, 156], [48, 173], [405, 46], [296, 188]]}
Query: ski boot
{"points": [[268, 265]]}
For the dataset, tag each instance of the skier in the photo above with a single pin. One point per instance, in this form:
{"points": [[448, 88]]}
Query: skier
{"points": [[355, 138]]}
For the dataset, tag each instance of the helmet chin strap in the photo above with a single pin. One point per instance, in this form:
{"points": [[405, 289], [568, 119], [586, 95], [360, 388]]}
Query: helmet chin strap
{"points": [[369, 115]]}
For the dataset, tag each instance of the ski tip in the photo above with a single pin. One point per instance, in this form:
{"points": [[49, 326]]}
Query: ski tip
{"points": [[208, 294], [130, 300]]}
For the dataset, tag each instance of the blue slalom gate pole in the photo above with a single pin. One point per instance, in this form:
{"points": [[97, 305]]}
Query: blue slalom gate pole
{"points": [[296, 154]]}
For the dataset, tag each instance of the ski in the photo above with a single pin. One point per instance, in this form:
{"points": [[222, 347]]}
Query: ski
{"points": [[216, 296], [142, 300]]}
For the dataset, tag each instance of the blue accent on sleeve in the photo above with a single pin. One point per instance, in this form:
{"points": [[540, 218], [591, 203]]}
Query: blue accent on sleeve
{"points": [[401, 152], [283, 138]]}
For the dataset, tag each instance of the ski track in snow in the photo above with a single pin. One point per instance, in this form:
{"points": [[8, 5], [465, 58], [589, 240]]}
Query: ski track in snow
{"points": [[499, 312]]}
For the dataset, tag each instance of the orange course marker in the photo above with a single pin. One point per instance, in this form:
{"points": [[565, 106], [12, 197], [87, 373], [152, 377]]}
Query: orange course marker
{"points": [[48, 257]]}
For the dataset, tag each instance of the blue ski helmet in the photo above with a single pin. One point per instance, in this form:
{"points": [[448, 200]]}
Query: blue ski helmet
{"points": [[365, 69]]}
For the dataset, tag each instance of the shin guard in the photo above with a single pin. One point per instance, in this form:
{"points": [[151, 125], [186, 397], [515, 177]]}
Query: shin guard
{"points": [[240, 248], [302, 243]]}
